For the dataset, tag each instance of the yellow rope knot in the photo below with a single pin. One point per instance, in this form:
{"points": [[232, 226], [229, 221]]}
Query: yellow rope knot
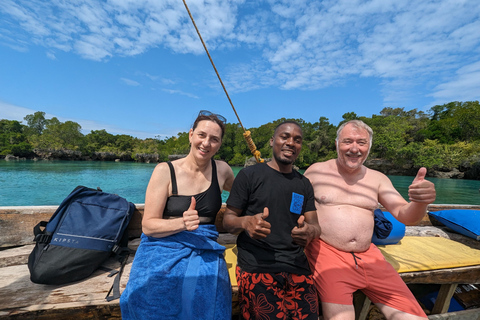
{"points": [[252, 147]]}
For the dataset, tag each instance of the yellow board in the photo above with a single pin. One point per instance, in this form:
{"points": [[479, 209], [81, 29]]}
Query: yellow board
{"points": [[429, 253], [410, 254], [231, 258]]}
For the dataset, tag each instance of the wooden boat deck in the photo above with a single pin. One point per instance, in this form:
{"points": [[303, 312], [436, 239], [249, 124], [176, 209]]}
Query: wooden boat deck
{"points": [[85, 299]]}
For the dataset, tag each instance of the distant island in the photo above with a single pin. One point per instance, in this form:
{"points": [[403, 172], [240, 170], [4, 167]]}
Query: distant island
{"points": [[445, 140]]}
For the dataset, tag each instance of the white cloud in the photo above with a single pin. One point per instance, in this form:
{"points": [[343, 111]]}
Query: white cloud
{"points": [[51, 55], [171, 91], [297, 44], [464, 87], [12, 112], [89, 125], [129, 82]]}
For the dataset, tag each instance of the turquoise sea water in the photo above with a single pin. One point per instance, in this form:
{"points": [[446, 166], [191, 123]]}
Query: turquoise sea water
{"points": [[29, 183]]}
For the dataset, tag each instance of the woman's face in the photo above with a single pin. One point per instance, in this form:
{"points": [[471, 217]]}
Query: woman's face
{"points": [[206, 139]]}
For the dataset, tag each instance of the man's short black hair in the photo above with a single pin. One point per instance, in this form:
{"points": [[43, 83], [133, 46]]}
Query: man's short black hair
{"points": [[286, 122]]}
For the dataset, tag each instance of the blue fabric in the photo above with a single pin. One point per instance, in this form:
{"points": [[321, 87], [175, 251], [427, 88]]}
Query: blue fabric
{"points": [[182, 276], [463, 221], [396, 234], [430, 299], [383, 226]]}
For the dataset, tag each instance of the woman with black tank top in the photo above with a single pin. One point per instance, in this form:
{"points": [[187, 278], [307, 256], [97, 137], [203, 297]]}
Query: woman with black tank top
{"points": [[179, 271]]}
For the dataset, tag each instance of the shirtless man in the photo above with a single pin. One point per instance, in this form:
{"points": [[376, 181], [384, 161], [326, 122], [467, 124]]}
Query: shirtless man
{"points": [[343, 258]]}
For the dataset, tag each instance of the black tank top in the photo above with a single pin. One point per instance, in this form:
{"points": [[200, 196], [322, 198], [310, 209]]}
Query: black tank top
{"points": [[209, 202]]}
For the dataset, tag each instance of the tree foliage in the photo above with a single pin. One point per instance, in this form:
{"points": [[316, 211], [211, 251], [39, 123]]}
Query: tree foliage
{"points": [[454, 122], [58, 135], [13, 139], [447, 136], [35, 123]]}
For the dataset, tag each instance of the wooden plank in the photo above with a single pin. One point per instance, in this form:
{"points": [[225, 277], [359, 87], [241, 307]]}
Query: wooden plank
{"points": [[66, 312], [361, 303], [16, 223], [15, 256], [19, 296], [469, 274], [471, 314], [445, 294], [135, 225], [437, 207]]}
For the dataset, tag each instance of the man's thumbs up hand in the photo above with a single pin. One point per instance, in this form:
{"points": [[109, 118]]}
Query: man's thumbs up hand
{"points": [[422, 190], [257, 226]]}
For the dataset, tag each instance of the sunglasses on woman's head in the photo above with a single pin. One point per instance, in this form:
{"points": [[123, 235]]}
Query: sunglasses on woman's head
{"points": [[208, 113]]}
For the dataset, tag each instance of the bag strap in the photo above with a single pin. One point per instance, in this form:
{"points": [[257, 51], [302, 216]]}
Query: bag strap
{"points": [[40, 236], [122, 252], [123, 255]]}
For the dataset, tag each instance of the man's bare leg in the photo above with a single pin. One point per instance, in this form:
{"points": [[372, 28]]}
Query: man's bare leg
{"points": [[394, 314], [334, 311]]}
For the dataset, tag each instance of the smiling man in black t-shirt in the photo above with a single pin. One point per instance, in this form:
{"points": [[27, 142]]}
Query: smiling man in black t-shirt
{"points": [[272, 208]]}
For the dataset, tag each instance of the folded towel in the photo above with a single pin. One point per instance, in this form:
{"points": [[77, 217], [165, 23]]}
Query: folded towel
{"points": [[383, 226], [182, 276]]}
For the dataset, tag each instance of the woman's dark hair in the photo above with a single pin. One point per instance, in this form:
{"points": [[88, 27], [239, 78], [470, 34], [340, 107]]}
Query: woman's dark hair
{"points": [[207, 115]]}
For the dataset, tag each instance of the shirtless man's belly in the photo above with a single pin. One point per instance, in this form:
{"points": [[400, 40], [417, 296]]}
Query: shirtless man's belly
{"points": [[341, 225]]}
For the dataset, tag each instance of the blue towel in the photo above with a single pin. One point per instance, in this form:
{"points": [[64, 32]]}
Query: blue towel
{"points": [[182, 276]]}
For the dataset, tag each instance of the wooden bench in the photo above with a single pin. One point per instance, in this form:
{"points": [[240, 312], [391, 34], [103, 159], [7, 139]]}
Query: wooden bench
{"points": [[22, 299]]}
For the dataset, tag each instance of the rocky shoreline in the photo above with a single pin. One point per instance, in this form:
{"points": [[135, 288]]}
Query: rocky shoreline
{"points": [[465, 171], [72, 155], [471, 172]]}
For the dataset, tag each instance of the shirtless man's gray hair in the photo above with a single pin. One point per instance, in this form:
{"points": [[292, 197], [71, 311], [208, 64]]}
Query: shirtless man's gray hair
{"points": [[359, 124]]}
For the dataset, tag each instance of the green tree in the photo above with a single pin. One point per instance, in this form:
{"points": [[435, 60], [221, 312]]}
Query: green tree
{"points": [[13, 140], [125, 143], [319, 140], [227, 152], [98, 140], [390, 135], [348, 116], [35, 123], [59, 136], [455, 121]]}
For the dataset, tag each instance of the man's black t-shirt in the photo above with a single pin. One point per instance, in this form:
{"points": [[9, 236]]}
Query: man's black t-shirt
{"points": [[287, 196]]}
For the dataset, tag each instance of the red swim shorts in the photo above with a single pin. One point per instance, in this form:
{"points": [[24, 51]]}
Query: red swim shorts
{"points": [[338, 274]]}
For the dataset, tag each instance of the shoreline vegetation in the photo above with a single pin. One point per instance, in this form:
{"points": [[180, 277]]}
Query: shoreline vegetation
{"points": [[445, 140]]}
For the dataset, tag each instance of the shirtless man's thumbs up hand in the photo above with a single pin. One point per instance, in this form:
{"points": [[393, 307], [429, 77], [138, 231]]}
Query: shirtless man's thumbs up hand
{"points": [[421, 190]]}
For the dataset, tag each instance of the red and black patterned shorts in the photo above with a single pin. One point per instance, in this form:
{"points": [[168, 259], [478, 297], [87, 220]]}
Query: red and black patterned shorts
{"points": [[276, 296]]}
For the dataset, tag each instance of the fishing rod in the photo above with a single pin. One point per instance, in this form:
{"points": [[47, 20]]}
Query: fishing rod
{"points": [[246, 133]]}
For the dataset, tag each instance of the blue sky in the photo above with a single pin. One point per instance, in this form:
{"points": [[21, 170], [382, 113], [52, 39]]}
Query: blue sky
{"points": [[137, 67]]}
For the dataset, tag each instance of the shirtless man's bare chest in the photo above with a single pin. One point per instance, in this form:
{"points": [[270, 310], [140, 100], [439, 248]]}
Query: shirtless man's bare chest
{"points": [[344, 206]]}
